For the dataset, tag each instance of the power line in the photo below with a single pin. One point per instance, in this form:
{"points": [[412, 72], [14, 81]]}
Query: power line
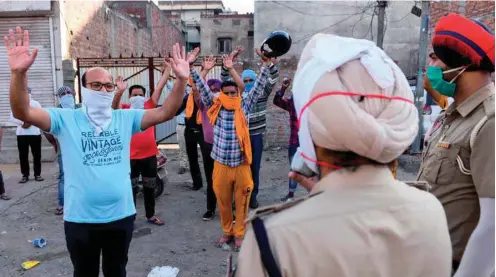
{"points": [[354, 25], [324, 29], [304, 13]]}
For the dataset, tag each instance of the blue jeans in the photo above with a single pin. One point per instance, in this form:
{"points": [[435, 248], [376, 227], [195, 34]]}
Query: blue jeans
{"points": [[291, 153], [256, 150], [61, 181]]}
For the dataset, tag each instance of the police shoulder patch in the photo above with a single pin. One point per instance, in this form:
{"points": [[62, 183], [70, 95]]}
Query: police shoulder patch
{"points": [[489, 106], [275, 208]]}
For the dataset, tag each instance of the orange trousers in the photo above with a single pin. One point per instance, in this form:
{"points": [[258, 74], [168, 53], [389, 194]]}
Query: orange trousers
{"points": [[226, 182]]}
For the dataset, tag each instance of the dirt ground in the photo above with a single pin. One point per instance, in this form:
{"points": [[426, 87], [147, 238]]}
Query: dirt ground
{"points": [[185, 242]]}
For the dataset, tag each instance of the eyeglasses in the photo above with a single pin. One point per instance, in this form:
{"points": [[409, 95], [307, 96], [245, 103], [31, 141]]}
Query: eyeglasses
{"points": [[65, 93], [246, 81], [109, 87]]}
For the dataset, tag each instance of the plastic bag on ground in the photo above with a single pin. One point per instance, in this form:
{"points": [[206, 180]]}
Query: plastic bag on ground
{"points": [[164, 271]]}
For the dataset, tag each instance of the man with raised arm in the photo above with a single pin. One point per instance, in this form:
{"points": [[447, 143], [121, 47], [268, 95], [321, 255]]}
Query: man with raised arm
{"points": [[95, 140], [231, 149], [256, 118], [143, 145]]}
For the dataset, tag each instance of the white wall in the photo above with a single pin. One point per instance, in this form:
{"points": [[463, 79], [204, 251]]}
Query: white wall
{"points": [[19, 6]]}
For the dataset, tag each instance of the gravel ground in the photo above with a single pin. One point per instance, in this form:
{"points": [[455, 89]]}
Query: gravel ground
{"points": [[185, 242]]}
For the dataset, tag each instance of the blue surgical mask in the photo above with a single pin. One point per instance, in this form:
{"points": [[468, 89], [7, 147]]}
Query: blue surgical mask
{"points": [[249, 86], [435, 76], [67, 101]]}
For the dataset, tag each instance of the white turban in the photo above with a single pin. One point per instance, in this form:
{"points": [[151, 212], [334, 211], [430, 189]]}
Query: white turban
{"points": [[379, 129]]}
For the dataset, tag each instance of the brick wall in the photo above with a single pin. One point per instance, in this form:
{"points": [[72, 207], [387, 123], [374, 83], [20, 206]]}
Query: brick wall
{"points": [[277, 132], [102, 28], [476, 9]]}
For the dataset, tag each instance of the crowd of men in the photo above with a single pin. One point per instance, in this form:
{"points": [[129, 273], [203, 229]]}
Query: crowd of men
{"points": [[351, 116]]}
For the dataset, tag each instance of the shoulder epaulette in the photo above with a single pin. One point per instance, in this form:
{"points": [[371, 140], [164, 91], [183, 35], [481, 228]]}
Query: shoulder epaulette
{"points": [[275, 208], [489, 106]]}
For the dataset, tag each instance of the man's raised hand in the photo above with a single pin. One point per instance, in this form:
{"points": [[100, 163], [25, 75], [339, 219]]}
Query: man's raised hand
{"points": [[121, 84], [264, 58], [208, 62], [166, 68], [20, 60], [238, 50], [181, 65], [227, 61], [193, 55]]}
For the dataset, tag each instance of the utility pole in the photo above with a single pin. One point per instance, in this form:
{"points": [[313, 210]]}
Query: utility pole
{"points": [[380, 22], [419, 89]]}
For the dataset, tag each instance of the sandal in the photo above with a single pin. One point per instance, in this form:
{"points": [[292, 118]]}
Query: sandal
{"points": [[237, 244], [4, 197], [59, 211], [155, 220], [223, 240], [23, 180], [39, 179]]}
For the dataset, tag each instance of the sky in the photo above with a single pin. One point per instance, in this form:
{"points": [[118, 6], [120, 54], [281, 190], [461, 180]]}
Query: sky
{"points": [[241, 6]]}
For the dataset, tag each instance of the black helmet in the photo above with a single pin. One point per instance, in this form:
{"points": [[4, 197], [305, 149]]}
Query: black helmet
{"points": [[276, 44]]}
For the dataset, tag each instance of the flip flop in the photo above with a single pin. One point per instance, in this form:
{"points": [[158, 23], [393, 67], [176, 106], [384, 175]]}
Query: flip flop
{"points": [[155, 220], [224, 239], [237, 244], [59, 211], [24, 180], [39, 178]]}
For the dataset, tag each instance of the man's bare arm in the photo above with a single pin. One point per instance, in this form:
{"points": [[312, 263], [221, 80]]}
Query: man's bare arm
{"points": [[19, 102], [172, 103], [161, 84], [228, 64], [121, 88]]}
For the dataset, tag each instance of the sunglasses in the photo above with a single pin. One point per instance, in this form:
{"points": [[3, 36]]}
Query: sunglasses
{"points": [[109, 87], [246, 81]]}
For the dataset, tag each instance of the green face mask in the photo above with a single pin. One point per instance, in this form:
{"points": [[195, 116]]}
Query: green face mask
{"points": [[435, 76]]}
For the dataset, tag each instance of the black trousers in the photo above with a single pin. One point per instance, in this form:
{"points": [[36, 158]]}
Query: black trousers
{"points": [[208, 164], [85, 242], [23, 145], [2, 184], [147, 168], [193, 137]]}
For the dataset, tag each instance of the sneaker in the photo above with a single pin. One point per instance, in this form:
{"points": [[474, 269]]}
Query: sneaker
{"points": [[208, 216], [287, 198]]}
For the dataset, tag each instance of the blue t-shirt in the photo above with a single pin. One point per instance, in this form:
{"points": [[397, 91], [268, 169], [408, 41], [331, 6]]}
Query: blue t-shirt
{"points": [[96, 168]]}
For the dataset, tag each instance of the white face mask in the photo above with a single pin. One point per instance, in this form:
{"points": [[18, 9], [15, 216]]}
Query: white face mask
{"points": [[67, 101], [97, 106], [137, 102]]}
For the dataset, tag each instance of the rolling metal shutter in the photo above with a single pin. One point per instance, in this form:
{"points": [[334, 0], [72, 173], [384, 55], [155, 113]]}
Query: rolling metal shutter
{"points": [[40, 75]]}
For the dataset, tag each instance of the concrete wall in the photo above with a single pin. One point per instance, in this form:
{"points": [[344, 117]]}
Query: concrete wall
{"points": [[233, 26], [345, 18], [303, 19]]}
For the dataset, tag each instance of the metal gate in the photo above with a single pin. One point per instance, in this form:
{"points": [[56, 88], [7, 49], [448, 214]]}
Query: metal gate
{"points": [[41, 75], [141, 71]]}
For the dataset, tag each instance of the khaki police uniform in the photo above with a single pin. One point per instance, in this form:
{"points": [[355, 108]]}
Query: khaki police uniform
{"points": [[461, 173], [363, 223]]}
